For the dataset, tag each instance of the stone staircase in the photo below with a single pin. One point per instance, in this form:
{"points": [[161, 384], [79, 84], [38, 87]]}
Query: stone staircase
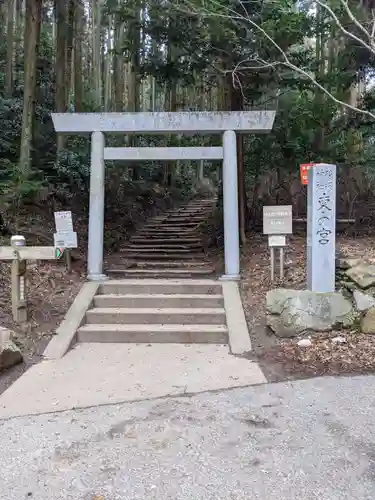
{"points": [[169, 245], [156, 310]]}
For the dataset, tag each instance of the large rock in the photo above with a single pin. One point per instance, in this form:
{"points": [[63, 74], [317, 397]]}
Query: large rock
{"points": [[362, 275], [291, 312], [368, 321], [345, 263], [10, 355], [362, 301]]}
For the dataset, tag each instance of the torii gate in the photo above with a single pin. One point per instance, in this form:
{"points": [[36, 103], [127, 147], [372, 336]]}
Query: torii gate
{"points": [[219, 122]]}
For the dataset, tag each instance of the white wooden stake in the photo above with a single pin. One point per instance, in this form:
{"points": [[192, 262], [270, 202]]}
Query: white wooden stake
{"points": [[282, 263], [272, 254], [19, 301]]}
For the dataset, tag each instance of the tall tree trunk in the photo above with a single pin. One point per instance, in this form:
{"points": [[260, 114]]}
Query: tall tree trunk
{"points": [[318, 143], [171, 105], [119, 83], [134, 35], [69, 50], [133, 77], [61, 16], [19, 31], [108, 67], [32, 33], [96, 52], [77, 52], [10, 50]]}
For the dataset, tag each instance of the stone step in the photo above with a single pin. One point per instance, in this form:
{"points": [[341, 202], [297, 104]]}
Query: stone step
{"points": [[193, 212], [161, 286], [152, 316], [170, 254], [168, 264], [166, 222], [152, 233], [159, 247], [161, 273], [181, 334], [167, 228], [158, 300], [184, 218], [167, 240]]}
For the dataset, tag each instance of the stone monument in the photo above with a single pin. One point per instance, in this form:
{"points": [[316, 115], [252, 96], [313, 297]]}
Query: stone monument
{"points": [[321, 228]]}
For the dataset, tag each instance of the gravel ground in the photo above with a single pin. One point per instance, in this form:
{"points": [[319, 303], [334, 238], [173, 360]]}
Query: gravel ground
{"points": [[311, 439]]}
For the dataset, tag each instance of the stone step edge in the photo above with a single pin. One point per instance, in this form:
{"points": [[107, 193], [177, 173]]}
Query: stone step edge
{"points": [[155, 328], [174, 270], [202, 296], [165, 263], [202, 282], [172, 311]]}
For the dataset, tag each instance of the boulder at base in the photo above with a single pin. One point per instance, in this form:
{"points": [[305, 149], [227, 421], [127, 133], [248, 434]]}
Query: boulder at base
{"points": [[291, 312], [10, 355], [362, 275], [362, 301], [368, 321]]}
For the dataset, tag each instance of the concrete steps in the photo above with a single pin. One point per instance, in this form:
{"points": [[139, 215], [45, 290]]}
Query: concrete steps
{"points": [[159, 301], [164, 316], [156, 311], [137, 334], [154, 272], [169, 287]]}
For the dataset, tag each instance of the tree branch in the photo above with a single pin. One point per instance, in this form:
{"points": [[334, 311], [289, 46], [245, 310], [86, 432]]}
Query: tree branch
{"points": [[344, 3], [344, 30], [233, 15]]}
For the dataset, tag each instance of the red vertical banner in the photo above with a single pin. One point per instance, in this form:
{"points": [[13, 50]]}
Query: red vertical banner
{"points": [[304, 169]]}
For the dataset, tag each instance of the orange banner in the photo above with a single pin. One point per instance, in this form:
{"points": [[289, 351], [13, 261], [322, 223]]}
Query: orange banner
{"points": [[304, 168]]}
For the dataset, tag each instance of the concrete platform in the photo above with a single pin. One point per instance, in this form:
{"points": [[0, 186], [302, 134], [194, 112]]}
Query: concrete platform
{"points": [[98, 374]]}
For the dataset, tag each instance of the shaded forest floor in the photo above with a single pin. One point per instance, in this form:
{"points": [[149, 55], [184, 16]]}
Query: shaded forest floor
{"points": [[283, 359]]}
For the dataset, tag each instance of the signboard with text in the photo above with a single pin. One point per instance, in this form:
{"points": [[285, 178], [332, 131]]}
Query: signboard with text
{"points": [[277, 219], [64, 237]]}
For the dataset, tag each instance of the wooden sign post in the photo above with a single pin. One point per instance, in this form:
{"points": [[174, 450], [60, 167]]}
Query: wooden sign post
{"points": [[277, 223], [19, 254]]}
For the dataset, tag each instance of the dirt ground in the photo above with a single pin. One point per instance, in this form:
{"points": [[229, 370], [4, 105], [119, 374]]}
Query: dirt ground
{"points": [[283, 359], [50, 291]]}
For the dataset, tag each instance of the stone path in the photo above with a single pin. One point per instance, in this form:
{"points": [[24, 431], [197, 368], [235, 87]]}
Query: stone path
{"points": [[306, 440], [169, 245]]}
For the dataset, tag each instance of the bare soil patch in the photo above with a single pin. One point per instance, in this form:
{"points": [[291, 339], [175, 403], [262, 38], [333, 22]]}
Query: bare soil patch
{"points": [[283, 359], [51, 290]]}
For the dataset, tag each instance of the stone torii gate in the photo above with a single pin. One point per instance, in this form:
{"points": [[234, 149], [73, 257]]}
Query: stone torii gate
{"points": [[225, 123]]}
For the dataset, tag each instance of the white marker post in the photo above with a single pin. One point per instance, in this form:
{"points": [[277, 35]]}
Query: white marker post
{"points": [[19, 253], [321, 228], [19, 305], [277, 223]]}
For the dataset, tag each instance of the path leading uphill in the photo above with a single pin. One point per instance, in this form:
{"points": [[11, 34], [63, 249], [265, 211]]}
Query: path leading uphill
{"points": [[171, 245]]}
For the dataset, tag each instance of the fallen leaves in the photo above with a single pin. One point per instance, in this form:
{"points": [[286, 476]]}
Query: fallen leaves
{"points": [[329, 353]]}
